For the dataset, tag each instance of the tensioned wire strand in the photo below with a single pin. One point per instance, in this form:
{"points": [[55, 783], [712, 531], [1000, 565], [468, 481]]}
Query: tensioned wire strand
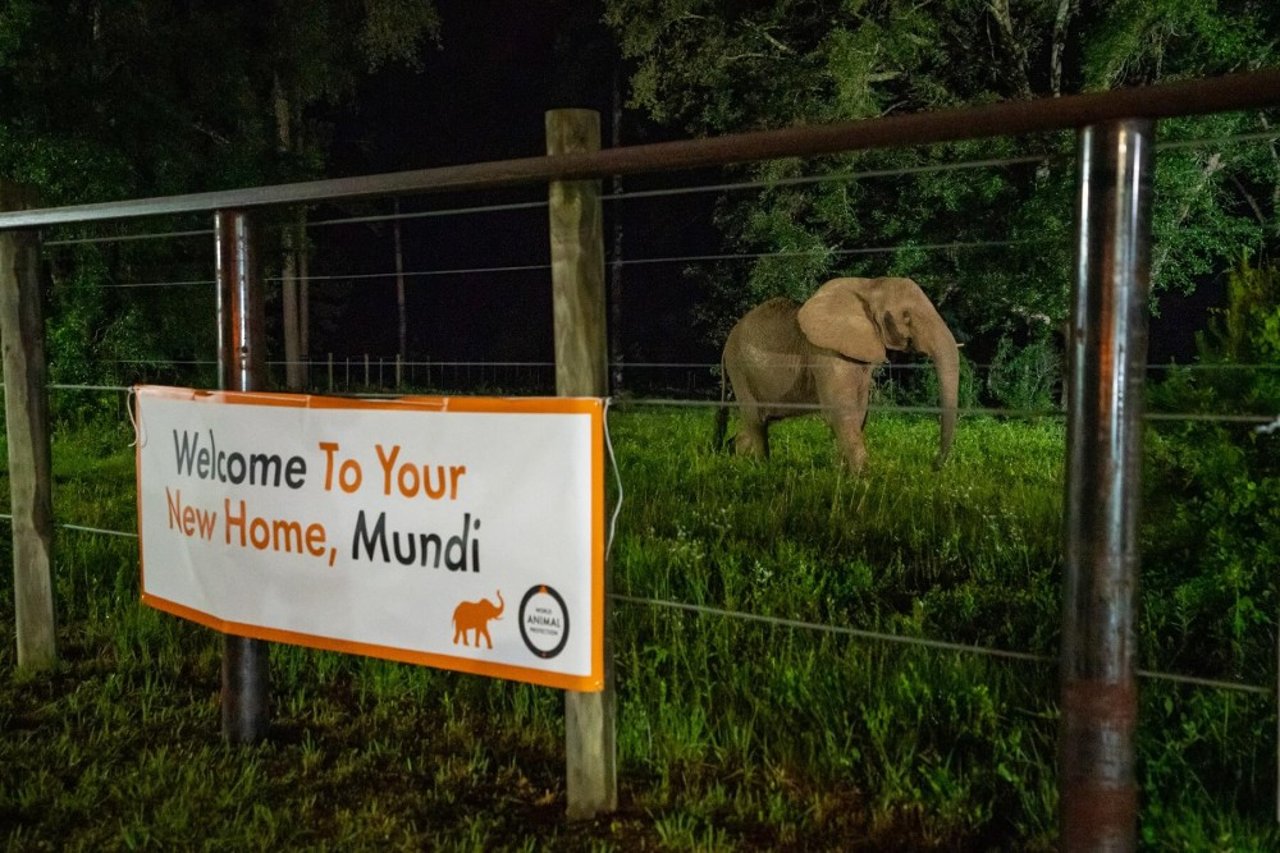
{"points": [[619, 365], [1267, 135], [624, 262], [674, 259], [942, 645], [860, 633], [724, 187], [1203, 417]]}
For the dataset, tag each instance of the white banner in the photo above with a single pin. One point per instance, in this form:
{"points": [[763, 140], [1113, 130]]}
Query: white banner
{"points": [[461, 532]]}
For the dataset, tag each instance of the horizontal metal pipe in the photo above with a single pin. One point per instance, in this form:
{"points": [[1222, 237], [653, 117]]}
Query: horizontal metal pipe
{"points": [[1188, 97]]}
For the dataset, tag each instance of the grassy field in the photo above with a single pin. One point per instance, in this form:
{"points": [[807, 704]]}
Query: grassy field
{"points": [[732, 733]]}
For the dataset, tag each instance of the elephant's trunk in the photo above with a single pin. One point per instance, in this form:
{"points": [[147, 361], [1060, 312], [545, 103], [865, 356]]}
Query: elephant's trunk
{"points": [[502, 605], [941, 347]]}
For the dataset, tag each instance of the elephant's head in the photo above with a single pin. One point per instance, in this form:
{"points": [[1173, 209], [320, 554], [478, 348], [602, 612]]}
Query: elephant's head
{"points": [[861, 318]]}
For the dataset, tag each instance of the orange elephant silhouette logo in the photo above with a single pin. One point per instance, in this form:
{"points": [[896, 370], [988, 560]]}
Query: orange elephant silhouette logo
{"points": [[474, 616]]}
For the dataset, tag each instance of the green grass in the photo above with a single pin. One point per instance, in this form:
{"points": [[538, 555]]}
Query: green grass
{"points": [[732, 733]]}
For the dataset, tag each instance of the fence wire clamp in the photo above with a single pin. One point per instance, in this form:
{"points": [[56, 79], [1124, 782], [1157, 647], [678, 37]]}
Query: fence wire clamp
{"points": [[617, 476], [1267, 429], [131, 400]]}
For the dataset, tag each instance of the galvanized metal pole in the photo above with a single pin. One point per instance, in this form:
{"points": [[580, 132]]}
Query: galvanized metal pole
{"points": [[246, 682], [1104, 458]]}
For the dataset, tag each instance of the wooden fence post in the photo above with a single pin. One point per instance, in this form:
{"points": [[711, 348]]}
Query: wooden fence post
{"points": [[26, 408], [582, 356]]}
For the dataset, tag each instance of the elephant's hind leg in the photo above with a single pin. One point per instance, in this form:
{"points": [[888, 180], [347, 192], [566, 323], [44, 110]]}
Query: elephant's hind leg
{"points": [[753, 434]]}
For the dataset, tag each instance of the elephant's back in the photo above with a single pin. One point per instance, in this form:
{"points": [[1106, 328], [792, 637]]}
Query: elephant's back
{"points": [[774, 320], [765, 355]]}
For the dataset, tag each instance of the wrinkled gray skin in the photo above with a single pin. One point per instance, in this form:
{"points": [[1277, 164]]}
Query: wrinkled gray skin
{"points": [[782, 357]]}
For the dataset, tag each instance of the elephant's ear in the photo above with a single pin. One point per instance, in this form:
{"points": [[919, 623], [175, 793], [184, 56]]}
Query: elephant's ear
{"points": [[836, 318]]}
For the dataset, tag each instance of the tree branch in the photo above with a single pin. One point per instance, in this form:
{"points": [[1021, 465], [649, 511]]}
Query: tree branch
{"points": [[1000, 9], [1211, 168], [1060, 21]]}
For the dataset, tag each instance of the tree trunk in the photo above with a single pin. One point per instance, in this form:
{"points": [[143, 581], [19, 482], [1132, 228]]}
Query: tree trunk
{"points": [[1018, 51], [289, 257], [304, 289], [1060, 21], [615, 266], [403, 319]]}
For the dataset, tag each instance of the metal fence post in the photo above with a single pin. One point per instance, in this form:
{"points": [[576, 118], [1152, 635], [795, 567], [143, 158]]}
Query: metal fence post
{"points": [[1104, 459], [26, 406], [582, 358], [246, 679]]}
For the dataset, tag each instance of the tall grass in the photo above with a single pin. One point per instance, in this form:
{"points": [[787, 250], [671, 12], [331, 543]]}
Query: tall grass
{"points": [[732, 733]]}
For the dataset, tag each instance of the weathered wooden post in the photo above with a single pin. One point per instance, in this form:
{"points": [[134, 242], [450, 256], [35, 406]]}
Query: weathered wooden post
{"points": [[1104, 463], [246, 678], [26, 408], [582, 355]]}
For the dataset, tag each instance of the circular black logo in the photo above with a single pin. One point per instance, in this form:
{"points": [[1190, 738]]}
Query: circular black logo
{"points": [[544, 621]]}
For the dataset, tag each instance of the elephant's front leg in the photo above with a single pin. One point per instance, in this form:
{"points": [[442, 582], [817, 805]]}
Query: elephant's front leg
{"points": [[853, 449], [844, 389]]}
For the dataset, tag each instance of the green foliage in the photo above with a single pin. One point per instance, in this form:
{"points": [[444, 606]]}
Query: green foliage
{"points": [[709, 68], [1246, 335], [732, 733], [915, 383], [1216, 488], [1027, 378]]}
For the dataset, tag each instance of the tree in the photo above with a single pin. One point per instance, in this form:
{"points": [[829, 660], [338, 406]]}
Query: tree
{"points": [[315, 59], [152, 98], [991, 243]]}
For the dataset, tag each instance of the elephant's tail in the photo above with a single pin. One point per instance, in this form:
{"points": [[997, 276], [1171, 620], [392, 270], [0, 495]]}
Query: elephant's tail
{"points": [[722, 414]]}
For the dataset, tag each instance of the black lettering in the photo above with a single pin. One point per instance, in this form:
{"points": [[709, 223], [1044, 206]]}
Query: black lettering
{"points": [[404, 559], [432, 539], [461, 543], [363, 538], [295, 472], [265, 469], [185, 451], [235, 476]]}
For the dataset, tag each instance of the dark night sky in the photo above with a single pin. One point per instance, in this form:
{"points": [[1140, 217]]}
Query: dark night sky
{"points": [[483, 96]]}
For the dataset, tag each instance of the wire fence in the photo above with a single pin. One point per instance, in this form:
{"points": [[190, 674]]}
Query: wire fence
{"points": [[655, 383], [818, 627], [670, 192]]}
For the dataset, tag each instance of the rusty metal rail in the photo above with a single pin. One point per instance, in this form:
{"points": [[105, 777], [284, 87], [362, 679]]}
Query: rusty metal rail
{"points": [[1189, 97]]}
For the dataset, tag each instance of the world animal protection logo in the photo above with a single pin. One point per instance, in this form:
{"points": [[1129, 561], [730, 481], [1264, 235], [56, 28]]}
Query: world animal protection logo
{"points": [[464, 533], [544, 621]]}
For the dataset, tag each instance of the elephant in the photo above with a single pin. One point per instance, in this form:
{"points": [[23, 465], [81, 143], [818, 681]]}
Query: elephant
{"points": [[475, 615], [782, 357]]}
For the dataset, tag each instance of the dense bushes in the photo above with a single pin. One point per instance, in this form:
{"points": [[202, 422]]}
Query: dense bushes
{"points": [[1214, 485]]}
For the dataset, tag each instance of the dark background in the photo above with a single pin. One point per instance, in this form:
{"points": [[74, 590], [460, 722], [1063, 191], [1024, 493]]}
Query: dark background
{"points": [[482, 96]]}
